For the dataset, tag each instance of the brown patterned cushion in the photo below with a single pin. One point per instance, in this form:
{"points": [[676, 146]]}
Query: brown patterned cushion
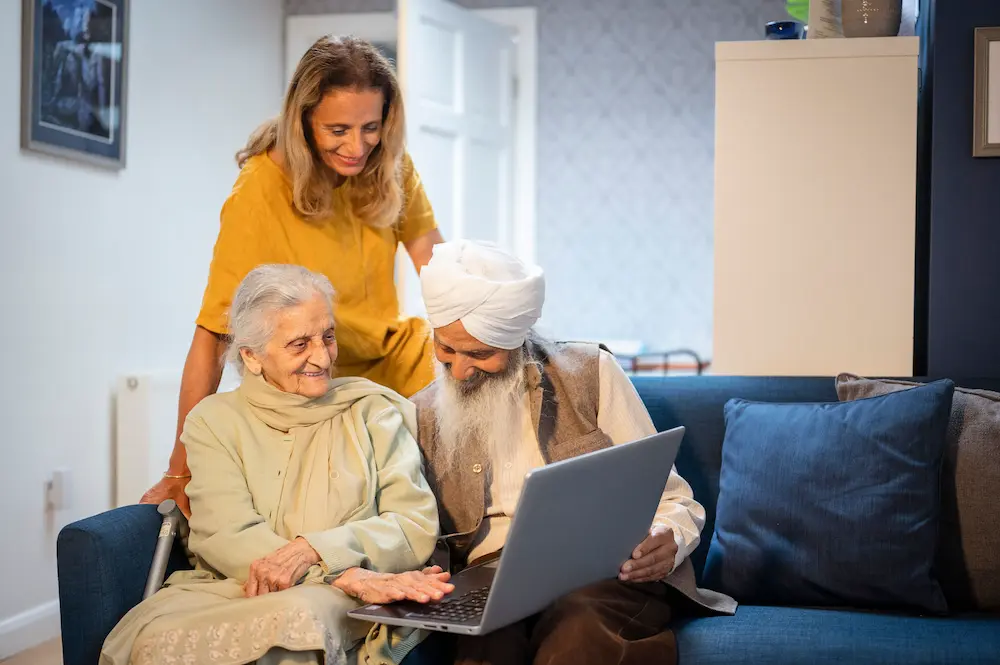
{"points": [[968, 557]]}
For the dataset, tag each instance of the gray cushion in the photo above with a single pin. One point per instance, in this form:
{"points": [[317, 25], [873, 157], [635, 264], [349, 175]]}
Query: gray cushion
{"points": [[968, 558]]}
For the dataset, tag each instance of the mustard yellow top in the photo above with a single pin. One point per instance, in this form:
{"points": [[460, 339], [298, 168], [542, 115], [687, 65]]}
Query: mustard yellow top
{"points": [[259, 224]]}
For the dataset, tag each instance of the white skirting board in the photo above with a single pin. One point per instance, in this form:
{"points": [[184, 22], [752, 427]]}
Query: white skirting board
{"points": [[145, 429], [29, 629]]}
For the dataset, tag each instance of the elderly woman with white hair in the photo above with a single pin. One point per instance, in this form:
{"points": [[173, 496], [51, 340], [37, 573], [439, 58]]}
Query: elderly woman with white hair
{"points": [[307, 500]]}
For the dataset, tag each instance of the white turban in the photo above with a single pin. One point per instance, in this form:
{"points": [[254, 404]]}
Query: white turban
{"points": [[495, 296]]}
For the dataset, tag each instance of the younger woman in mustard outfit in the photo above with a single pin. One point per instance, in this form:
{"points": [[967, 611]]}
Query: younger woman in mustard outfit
{"points": [[327, 185]]}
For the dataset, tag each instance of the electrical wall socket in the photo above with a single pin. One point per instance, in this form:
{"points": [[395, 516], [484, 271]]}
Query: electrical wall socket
{"points": [[58, 490]]}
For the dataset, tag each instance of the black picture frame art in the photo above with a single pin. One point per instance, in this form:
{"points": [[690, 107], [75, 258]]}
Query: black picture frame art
{"points": [[74, 68]]}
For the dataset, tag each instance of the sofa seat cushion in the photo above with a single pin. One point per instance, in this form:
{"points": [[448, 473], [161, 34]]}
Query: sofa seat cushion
{"points": [[794, 636]]}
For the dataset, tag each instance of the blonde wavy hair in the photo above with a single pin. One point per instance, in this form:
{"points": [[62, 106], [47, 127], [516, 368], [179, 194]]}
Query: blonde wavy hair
{"points": [[332, 63]]}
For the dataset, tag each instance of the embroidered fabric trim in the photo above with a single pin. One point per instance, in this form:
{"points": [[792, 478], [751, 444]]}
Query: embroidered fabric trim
{"points": [[238, 642]]}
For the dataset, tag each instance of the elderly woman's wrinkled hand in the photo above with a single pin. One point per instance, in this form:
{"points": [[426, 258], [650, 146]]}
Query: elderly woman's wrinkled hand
{"points": [[383, 588], [281, 569]]}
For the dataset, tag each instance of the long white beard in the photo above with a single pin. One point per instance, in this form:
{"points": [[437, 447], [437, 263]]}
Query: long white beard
{"points": [[488, 414]]}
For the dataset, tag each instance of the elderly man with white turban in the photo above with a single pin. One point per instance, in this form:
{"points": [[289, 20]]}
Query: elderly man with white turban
{"points": [[505, 401]]}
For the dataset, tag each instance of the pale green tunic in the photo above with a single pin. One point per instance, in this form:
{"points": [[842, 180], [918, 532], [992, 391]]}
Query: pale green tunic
{"points": [[344, 472]]}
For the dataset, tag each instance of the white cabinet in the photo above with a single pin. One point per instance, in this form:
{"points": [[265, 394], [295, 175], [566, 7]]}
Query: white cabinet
{"points": [[815, 194]]}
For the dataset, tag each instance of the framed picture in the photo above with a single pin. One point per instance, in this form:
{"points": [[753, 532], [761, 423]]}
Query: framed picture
{"points": [[986, 128], [74, 65]]}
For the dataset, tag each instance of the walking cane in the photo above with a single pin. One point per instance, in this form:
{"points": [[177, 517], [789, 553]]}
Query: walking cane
{"points": [[164, 543]]}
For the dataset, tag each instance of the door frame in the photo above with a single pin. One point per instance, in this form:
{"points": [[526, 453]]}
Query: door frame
{"points": [[304, 29]]}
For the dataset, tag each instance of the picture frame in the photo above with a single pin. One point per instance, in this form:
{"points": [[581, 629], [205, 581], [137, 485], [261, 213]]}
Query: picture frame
{"points": [[74, 79], [986, 109]]}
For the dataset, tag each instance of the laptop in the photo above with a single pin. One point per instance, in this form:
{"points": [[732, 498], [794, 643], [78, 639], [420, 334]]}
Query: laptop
{"points": [[577, 522]]}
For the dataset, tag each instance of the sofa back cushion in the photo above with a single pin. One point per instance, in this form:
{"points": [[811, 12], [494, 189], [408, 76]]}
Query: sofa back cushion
{"points": [[696, 402]]}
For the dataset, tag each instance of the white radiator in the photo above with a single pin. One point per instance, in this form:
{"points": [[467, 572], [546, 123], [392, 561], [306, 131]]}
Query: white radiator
{"points": [[145, 428]]}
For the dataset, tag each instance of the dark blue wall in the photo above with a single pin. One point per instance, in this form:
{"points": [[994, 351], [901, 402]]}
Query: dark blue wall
{"points": [[963, 274]]}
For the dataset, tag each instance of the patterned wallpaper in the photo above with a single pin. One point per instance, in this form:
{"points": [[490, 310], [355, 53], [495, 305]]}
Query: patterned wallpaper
{"points": [[625, 159]]}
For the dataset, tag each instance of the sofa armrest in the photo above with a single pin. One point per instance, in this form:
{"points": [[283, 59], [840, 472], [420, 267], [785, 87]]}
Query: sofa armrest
{"points": [[103, 562]]}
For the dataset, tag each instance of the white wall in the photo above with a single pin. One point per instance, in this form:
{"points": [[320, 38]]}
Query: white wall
{"points": [[103, 271]]}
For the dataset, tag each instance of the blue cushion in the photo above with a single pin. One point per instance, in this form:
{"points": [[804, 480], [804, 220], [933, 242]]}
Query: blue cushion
{"points": [[792, 636], [832, 504]]}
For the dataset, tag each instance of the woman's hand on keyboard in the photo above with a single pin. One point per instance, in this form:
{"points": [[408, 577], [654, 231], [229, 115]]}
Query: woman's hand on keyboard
{"points": [[383, 588]]}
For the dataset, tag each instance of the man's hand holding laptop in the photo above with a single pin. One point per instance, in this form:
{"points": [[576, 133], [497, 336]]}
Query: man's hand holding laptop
{"points": [[653, 559]]}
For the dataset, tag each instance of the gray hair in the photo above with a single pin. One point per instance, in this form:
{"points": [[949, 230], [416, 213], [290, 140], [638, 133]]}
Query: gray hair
{"points": [[266, 290]]}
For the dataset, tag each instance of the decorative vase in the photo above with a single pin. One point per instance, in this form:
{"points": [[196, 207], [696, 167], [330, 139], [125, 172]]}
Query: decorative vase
{"points": [[871, 18]]}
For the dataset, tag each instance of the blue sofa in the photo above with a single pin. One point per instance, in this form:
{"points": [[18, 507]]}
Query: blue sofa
{"points": [[103, 561]]}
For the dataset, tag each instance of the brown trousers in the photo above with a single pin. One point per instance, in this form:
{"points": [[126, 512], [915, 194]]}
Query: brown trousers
{"points": [[606, 623]]}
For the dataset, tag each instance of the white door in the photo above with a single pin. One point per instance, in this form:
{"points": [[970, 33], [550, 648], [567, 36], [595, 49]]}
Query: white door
{"points": [[457, 74]]}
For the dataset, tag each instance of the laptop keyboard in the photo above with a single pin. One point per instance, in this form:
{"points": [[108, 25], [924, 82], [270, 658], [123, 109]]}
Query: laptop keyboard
{"points": [[467, 607]]}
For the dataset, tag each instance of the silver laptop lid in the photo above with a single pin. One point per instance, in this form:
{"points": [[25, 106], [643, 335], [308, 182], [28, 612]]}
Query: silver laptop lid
{"points": [[577, 522]]}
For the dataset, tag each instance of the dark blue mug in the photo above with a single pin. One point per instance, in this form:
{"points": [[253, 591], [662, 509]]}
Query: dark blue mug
{"points": [[783, 30]]}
